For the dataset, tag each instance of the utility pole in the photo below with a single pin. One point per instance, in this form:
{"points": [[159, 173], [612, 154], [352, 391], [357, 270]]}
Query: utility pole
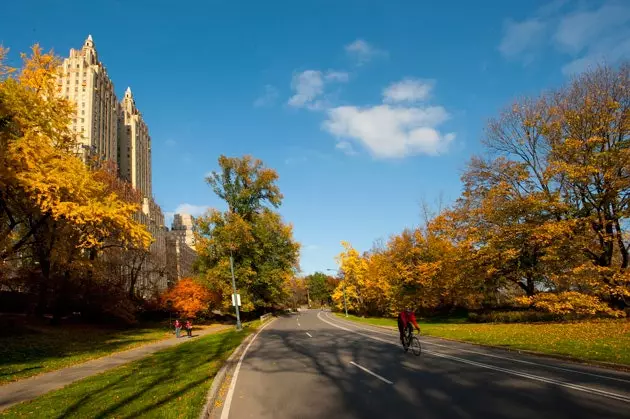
{"points": [[238, 316]]}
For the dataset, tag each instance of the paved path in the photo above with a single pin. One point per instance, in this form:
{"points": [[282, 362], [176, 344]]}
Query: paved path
{"points": [[317, 365], [30, 388]]}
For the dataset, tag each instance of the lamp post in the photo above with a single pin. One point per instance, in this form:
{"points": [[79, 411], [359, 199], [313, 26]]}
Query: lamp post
{"points": [[238, 316], [345, 305]]}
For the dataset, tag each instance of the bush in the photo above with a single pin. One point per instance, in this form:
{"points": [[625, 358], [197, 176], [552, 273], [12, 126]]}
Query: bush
{"points": [[570, 303], [529, 316]]}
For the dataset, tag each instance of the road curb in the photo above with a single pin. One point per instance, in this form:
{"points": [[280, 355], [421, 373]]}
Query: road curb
{"points": [[220, 376]]}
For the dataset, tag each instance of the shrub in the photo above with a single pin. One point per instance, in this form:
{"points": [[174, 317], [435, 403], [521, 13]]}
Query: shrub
{"points": [[570, 303]]}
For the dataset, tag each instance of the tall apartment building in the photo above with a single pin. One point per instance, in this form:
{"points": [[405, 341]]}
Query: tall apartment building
{"points": [[84, 80], [116, 132], [134, 146]]}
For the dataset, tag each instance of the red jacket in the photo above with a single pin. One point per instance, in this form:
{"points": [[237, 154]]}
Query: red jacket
{"points": [[406, 318]]}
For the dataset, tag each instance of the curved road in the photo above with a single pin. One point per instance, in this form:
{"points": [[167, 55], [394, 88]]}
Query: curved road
{"points": [[316, 365]]}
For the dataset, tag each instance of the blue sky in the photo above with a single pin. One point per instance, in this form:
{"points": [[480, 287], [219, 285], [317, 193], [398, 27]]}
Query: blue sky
{"points": [[365, 108]]}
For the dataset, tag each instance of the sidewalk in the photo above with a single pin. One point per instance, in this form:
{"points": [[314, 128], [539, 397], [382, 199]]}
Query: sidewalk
{"points": [[30, 388]]}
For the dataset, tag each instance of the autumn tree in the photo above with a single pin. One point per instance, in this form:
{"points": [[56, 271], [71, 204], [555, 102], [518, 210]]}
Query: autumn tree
{"points": [[189, 298], [56, 212]]}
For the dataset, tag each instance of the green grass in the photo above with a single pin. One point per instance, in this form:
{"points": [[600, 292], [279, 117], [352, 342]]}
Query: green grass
{"points": [[32, 350], [597, 340], [172, 383]]}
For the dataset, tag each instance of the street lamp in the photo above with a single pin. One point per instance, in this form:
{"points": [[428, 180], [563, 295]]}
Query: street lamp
{"points": [[345, 305], [238, 316]]}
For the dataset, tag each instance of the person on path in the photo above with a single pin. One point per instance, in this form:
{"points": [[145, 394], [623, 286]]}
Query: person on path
{"points": [[189, 328], [178, 327]]}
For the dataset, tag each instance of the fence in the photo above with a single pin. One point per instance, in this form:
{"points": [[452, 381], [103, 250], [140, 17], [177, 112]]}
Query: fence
{"points": [[265, 317]]}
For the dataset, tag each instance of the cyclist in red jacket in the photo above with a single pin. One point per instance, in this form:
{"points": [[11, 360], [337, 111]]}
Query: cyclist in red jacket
{"points": [[405, 319]]}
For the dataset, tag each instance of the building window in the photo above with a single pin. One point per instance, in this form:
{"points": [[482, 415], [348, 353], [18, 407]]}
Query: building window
{"points": [[82, 111], [82, 119]]}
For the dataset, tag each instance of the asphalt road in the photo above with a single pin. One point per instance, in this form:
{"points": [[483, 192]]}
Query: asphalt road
{"points": [[316, 365]]}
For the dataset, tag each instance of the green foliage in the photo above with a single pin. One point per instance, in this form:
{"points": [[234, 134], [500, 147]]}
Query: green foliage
{"points": [[320, 287], [261, 244]]}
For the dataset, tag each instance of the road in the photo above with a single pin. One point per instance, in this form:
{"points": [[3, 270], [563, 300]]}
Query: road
{"points": [[316, 365]]}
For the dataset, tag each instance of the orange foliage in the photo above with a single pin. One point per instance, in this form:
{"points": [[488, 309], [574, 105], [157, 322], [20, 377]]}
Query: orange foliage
{"points": [[189, 298]]}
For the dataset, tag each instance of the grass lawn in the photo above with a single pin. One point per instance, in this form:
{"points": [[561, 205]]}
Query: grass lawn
{"points": [[601, 340], [38, 349], [172, 383]]}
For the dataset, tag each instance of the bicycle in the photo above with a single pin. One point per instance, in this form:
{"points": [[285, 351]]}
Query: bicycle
{"points": [[411, 340]]}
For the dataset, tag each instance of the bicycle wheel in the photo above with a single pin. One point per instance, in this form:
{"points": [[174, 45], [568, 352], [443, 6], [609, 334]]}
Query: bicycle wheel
{"points": [[415, 346]]}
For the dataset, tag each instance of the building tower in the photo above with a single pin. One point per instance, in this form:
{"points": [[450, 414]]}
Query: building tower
{"points": [[134, 146], [84, 80]]}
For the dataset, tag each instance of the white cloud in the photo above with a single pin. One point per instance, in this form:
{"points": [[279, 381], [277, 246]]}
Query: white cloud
{"points": [[194, 210], [407, 90], [586, 35], [268, 97], [309, 87], [391, 132], [521, 38], [362, 52]]}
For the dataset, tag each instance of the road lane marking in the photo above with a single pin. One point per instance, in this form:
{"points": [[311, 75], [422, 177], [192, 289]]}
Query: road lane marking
{"points": [[590, 374], [309, 335], [371, 372], [228, 398], [577, 387]]}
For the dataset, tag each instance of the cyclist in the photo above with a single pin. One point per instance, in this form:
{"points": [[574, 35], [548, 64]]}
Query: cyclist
{"points": [[405, 319]]}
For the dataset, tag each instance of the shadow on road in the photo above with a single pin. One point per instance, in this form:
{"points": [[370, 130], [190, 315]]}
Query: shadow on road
{"points": [[318, 372]]}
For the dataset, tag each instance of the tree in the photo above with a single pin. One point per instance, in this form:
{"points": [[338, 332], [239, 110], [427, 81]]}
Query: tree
{"points": [[320, 287], [56, 213], [245, 185], [189, 298], [262, 245]]}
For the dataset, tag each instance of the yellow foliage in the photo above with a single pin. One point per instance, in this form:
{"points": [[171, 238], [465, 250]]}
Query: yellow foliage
{"points": [[570, 302]]}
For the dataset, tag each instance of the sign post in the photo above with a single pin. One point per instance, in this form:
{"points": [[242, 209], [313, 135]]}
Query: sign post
{"points": [[236, 303]]}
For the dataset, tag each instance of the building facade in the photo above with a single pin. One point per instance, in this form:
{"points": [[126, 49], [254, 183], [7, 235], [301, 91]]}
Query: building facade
{"points": [[134, 146], [180, 247], [84, 80], [115, 131]]}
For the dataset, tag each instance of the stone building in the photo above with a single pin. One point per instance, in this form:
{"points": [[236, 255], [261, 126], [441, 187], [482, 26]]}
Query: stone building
{"points": [[115, 131], [180, 247]]}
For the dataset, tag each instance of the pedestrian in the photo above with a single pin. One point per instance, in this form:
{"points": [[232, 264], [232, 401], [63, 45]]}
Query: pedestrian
{"points": [[189, 328], [178, 327]]}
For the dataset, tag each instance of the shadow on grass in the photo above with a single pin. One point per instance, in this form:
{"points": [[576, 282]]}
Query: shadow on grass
{"points": [[49, 348], [174, 380]]}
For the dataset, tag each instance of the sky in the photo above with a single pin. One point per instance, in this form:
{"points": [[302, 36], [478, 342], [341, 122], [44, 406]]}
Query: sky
{"points": [[366, 109]]}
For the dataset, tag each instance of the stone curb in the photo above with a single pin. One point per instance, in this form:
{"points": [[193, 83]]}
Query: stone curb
{"points": [[219, 378]]}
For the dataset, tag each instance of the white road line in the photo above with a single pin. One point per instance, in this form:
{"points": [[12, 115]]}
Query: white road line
{"points": [[370, 372], [507, 358], [309, 335], [577, 387], [228, 398]]}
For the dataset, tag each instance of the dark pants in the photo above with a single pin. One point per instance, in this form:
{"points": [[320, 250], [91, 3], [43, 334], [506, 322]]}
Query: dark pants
{"points": [[401, 328]]}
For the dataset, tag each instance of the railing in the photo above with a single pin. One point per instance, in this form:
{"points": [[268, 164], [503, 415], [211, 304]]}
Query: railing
{"points": [[264, 317]]}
